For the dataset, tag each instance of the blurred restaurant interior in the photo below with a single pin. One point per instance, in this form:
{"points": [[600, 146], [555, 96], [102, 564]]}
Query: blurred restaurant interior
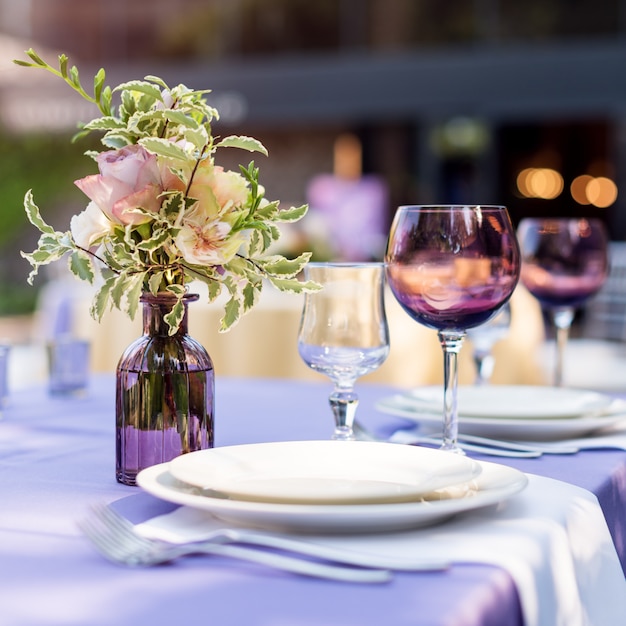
{"points": [[364, 105]]}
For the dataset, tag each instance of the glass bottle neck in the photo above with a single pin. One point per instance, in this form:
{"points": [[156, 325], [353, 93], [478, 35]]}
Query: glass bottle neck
{"points": [[155, 308]]}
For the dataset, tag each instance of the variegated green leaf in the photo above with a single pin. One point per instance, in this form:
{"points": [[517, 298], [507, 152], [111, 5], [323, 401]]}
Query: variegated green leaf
{"points": [[141, 87], [293, 285], [121, 285], [81, 265], [102, 302], [32, 212], [157, 80], [154, 282], [175, 317], [141, 123], [251, 295], [238, 266], [177, 290], [173, 207], [155, 242], [98, 84], [287, 268], [268, 211], [134, 293], [255, 244], [164, 148], [268, 240], [197, 136], [274, 232], [104, 123], [214, 288], [245, 143], [293, 214], [42, 256], [178, 117], [231, 314], [116, 140]]}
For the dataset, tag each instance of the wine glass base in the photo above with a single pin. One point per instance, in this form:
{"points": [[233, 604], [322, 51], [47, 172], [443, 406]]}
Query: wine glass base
{"points": [[347, 435], [452, 447]]}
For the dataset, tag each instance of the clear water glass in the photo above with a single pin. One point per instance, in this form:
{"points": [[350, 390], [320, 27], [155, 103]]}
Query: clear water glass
{"points": [[484, 338], [68, 365], [343, 331]]}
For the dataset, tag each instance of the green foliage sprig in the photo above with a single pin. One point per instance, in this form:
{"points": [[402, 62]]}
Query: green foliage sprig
{"points": [[162, 213]]}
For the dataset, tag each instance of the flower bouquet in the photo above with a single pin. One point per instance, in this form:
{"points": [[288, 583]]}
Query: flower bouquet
{"points": [[162, 213]]}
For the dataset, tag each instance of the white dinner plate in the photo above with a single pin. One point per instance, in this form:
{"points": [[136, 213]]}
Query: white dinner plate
{"points": [[522, 412], [323, 472], [513, 401], [495, 484]]}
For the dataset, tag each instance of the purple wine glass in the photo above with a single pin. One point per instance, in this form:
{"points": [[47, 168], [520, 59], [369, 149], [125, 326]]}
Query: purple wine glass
{"points": [[564, 262], [451, 268]]}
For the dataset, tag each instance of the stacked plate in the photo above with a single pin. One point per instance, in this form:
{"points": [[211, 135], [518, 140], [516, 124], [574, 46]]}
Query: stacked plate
{"points": [[331, 486], [513, 411]]}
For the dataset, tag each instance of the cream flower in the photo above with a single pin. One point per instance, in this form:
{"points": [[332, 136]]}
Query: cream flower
{"points": [[208, 243], [218, 190]]}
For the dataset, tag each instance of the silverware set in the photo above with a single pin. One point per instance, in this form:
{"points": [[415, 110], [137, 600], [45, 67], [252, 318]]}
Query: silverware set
{"points": [[120, 542], [473, 443]]}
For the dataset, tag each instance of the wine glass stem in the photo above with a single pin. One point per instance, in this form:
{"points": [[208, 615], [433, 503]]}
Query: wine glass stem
{"points": [[451, 342], [484, 367], [343, 403], [562, 321]]}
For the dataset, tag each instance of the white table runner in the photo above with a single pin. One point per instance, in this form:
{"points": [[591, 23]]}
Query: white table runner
{"points": [[552, 539]]}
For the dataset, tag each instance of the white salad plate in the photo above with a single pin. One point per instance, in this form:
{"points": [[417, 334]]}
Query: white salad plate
{"points": [[323, 472], [495, 484], [513, 411]]}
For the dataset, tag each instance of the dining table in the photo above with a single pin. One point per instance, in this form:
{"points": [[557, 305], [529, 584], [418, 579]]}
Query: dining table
{"points": [[57, 460]]}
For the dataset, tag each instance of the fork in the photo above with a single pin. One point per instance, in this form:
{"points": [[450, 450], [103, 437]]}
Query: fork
{"points": [[118, 541]]}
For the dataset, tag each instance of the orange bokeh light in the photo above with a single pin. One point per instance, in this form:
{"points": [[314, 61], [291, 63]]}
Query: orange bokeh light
{"points": [[599, 191], [578, 188], [602, 192], [540, 182]]}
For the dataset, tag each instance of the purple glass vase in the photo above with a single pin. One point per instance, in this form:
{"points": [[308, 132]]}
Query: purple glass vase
{"points": [[164, 393]]}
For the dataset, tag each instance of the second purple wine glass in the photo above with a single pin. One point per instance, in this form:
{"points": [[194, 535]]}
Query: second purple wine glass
{"points": [[451, 268], [564, 262]]}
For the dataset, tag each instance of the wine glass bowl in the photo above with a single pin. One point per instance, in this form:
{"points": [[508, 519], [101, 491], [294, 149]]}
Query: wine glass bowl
{"points": [[451, 268], [344, 332], [564, 263]]}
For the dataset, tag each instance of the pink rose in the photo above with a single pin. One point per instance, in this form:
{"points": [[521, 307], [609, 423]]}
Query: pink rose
{"points": [[129, 179]]}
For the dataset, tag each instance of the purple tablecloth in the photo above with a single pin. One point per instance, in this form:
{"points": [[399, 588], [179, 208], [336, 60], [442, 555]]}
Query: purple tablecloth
{"points": [[57, 457]]}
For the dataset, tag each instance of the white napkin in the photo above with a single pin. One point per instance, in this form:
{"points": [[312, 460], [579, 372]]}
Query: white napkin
{"points": [[552, 538], [613, 437]]}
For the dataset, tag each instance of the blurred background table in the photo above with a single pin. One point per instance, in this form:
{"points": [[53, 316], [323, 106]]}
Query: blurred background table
{"points": [[264, 342]]}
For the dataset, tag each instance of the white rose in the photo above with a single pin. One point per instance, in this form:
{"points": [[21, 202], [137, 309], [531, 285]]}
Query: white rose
{"points": [[89, 227]]}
